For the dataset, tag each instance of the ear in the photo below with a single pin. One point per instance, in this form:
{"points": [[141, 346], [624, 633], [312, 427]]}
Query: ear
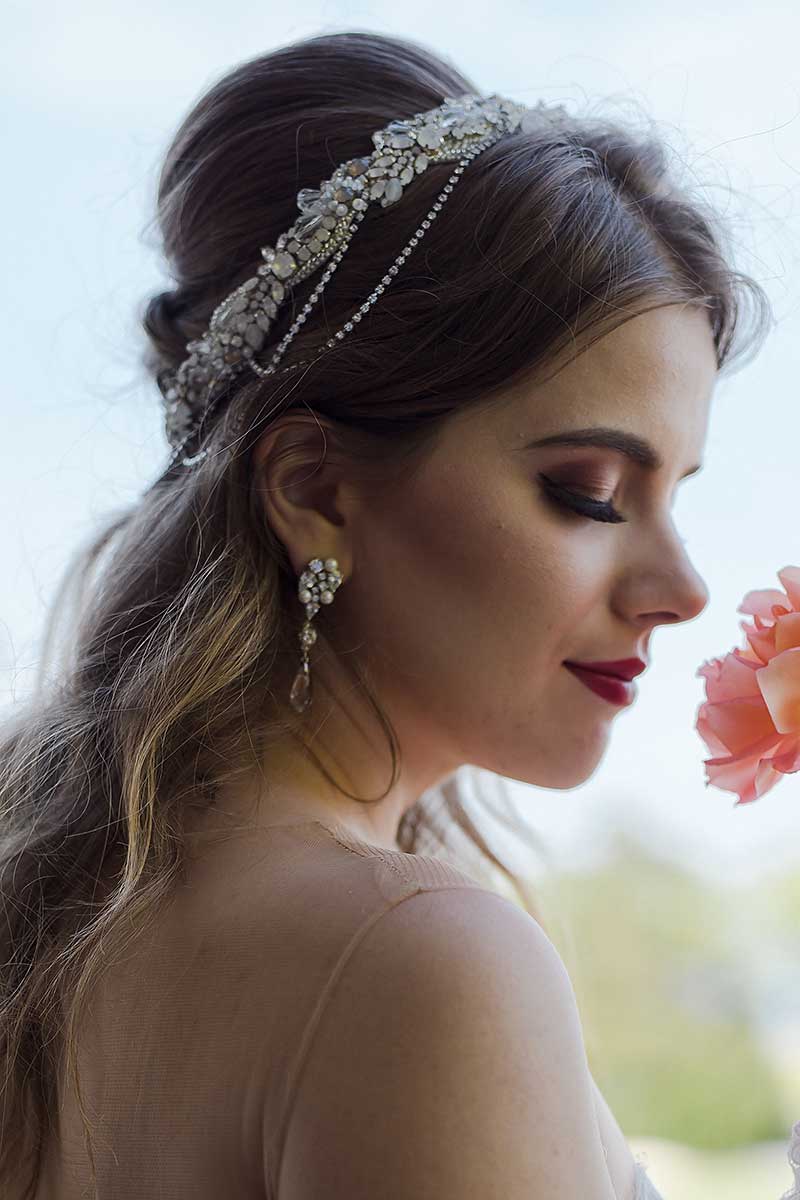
{"points": [[302, 484]]}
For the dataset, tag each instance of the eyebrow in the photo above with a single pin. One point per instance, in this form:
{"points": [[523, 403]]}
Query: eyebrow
{"points": [[629, 444]]}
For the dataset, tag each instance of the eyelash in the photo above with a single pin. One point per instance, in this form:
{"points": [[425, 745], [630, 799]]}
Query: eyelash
{"points": [[585, 506]]}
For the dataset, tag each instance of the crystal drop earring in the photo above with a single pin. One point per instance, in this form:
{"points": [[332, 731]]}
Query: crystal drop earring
{"points": [[316, 585]]}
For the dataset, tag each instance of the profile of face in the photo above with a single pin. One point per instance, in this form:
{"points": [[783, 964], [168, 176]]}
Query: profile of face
{"points": [[471, 583]]}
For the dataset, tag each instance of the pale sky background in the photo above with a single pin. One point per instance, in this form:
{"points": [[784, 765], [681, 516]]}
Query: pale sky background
{"points": [[92, 94]]}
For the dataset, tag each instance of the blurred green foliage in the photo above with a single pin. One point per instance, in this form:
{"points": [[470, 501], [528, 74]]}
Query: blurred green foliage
{"points": [[665, 1002]]}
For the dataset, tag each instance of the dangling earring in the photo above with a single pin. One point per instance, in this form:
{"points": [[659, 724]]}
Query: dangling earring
{"points": [[316, 585]]}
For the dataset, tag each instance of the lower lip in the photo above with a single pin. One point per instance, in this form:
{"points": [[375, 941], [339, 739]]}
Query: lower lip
{"points": [[618, 691]]}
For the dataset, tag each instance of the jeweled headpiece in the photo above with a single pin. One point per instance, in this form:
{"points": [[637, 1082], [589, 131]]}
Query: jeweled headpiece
{"points": [[458, 129]]}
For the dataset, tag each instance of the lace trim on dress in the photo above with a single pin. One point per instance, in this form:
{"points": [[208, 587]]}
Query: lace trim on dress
{"points": [[794, 1162], [645, 1188]]}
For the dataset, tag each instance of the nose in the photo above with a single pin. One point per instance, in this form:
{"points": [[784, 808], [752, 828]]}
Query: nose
{"points": [[670, 589]]}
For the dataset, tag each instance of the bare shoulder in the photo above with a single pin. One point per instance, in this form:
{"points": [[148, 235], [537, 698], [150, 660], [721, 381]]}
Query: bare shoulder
{"points": [[448, 1063]]}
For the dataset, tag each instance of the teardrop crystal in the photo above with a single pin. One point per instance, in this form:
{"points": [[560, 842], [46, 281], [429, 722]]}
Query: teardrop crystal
{"points": [[307, 198], [300, 695]]}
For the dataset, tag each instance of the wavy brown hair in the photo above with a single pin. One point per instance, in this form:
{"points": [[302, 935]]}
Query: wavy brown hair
{"points": [[183, 606]]}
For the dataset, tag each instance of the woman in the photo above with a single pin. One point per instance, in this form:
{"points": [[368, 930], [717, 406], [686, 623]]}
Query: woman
{"points": [[379, 551]]}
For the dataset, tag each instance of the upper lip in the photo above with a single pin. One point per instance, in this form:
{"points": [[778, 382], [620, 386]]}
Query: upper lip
{"points": [[623, 668]]}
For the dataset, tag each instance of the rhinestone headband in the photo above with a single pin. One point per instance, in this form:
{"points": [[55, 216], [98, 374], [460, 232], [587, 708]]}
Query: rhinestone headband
{"points": [[457, 130]]}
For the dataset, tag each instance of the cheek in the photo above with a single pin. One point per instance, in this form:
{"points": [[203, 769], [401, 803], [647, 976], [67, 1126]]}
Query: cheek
{"points": [[484, 575]]}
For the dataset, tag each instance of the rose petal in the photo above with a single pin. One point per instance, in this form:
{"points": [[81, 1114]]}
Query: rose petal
{"points": [[765, 778], [711, 670], [730, 677], [790, 578], [787, 761], [747, 657], [787, 632], [741, 723], [715, 746], [760, 602], [761, 640], [779, 682], [748, 777]]}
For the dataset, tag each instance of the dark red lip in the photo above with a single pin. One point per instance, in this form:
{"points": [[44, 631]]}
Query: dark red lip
{"points": [[622, 668], [610, 687]]}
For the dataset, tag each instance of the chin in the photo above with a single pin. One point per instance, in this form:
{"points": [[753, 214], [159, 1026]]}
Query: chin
{"points": [[555, 780], [561, 775], [559, 765]]}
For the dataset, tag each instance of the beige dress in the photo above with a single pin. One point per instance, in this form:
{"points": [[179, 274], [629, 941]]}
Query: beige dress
{"points": [[200, 1031]]}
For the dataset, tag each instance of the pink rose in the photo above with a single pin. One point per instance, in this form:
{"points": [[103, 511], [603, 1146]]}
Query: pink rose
{"points": [[751, 716]]}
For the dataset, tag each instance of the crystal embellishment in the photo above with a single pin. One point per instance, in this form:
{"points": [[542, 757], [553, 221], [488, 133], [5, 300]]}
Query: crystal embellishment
{"points": [[283, 264], [316, 585], [300, 695], [240, 327]]}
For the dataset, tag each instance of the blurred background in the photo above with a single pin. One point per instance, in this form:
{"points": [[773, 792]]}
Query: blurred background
{"points": [[678, 913]]}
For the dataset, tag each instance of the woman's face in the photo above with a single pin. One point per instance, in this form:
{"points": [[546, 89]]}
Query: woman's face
{"points": [[474, 580]]}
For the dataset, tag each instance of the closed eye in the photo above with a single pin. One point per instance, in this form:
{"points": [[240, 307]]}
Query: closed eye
{"points": [[585, 506]]}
